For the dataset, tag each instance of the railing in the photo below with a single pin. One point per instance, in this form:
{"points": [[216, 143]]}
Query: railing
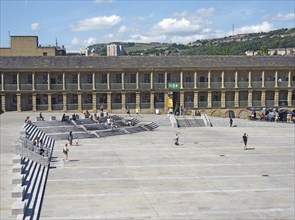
{"points": [[130, 85], [71, 86], [269, 103], [116, 105], [243, 103], [256, 103], [116, 85], [41, 86], [229, 84], [72, 106], [283, 84], [203, 104], [57, 106], [229, 104], [88, 86], [243, 84], [202, 85], [26, 87], [10, 87], [42, 107], [101, 86], [216, 85], [188, 85], [145, 85], [188, 104], [216, 104], [145, 105], [269, 84], [87, 106], [56, 87], [131, 105], [159, 85], [256, 84]]}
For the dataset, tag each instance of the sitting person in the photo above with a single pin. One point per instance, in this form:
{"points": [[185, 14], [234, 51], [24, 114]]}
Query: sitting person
{"points": [[63, 118], [262, 117], [74, 117], [27, 120], [41, 116]]}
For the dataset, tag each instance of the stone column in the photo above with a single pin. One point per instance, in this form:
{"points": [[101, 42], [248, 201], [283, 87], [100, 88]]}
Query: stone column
{"points": [[123, 94], [137, 80], [152, 80], [209, 99], [263, 79], [250, 97], [17, 82], [276, 79], [93, 82], [64, 102], [250, 80], [276, 98], [3, 102], [222, 79], [33, 82], [79, 83], [108, 81], [236, 79], [94, 108], [181, 80], [166, 101], [263, 102], [152, 102], [181, 98], [49, 102], [166, 80], [123, 80], [2, 80], [222, 99], [137, 100], [196, 99], [18, 102], [64, 81], [195, 80], [79, 102], [289, 79], [237, 98], [109, 101], [209, 79], [48, 81], [289, 97], [34, 103]]}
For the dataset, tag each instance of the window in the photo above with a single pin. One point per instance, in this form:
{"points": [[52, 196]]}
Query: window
{"points": [[75, 99], [146, 78], [59, 99], [161, 78], [89, 78], [45, 78], [30, 100], [44, 54], [0, 78], [133, 98], [75, 78], [59, 79], [89, 98], [146, 97], [14, 99], [168, 77], [104, 78], [188, 79], [118, 78], [14, 79], [161, 97], [133, 78], [30, 79]]}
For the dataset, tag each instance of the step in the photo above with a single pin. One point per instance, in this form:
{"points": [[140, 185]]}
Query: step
{"points": [[18, 207], [18, 168], [18, 191], [17, 178]]}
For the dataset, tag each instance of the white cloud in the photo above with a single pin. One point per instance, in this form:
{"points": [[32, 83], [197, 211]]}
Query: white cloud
{"points": [[286, 17], [96, 23], [35, 26], [122, 29], [90, 41], [175, 26], [263, 27], [75, 41]]}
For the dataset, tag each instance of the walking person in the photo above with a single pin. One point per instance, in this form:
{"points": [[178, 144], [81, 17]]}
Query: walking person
{"points": [[245, 140], [231, 121], [41, 116], [176, 139], [70, 138], [66, 152]]}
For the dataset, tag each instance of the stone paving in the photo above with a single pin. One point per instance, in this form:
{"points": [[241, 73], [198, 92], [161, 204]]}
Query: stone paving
{"points": [[145, 176]]}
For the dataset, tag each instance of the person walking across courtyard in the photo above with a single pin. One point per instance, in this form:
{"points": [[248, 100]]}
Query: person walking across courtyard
{"points": [[66, 152], [245, 140], [176, 139], [231, 121]]}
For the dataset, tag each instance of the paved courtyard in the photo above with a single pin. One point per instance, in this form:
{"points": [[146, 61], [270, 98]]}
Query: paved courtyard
{"points": [[145, 176]]}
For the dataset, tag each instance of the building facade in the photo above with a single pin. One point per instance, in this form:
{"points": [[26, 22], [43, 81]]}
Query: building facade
{"points": [[214, 84], [114, 50]]}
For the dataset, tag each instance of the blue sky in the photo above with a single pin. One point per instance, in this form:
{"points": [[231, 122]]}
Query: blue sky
{"points": [[80, 23]]}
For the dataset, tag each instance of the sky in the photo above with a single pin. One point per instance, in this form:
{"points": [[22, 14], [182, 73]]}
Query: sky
{"points": [[77, 24]]}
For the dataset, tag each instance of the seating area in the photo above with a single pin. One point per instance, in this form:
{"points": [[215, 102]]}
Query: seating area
{"points": [[195, 122], [108, 133]]}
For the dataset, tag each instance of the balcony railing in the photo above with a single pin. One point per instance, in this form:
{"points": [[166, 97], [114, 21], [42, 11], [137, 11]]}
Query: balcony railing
{"points": [[256, 84], [269, 84], [72, 106], [71, 86], [57, 106], [159, 104], [243, 85], [202, 85], [42, 107], [116, 85], [130, 85], [116, 105], [103, 86], [203, 104], [188, 104], [11, 87], [87, 86], [87, 106], [243, 103], [159, 85], [145, 105], [216, 85], [283, 84], [131, 105], [145, 86], [216, 104], [229, 84], [41, 86], [26, 87], [56, 87], [229, 104], [256, 103], [188, 85]]}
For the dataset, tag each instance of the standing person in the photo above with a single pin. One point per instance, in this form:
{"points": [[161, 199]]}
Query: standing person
{"points": [[245, 140], [137, 111], [70, 138], [66, 152], [128, 110], [176, 139], [41, 116], [230, 121]]}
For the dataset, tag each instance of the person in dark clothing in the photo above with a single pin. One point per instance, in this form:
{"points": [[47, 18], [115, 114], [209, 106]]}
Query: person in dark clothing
{"points": [[230, 121], [41, 116], [245, 140]]}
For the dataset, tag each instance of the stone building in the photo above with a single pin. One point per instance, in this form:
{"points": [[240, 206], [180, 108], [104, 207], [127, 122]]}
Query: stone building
{"points": [[214, 84]]}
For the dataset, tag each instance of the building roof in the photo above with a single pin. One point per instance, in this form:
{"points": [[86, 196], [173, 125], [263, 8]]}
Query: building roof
{"points": [[131, 62]]}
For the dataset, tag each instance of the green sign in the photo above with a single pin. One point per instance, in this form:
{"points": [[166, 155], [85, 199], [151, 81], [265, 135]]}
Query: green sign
{"points": [[173, 85]]}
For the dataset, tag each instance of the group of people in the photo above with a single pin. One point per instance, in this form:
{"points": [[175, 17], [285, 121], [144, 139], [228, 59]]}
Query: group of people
{"points": [[39, 146]]}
